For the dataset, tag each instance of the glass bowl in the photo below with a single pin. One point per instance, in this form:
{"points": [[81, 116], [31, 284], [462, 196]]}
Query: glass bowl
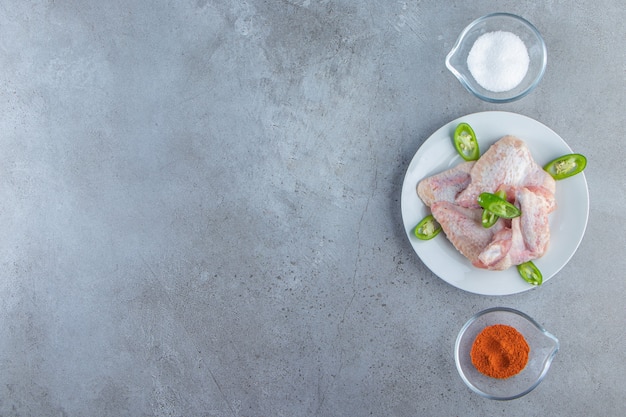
{"points": [[456, 60], [543, 347]]}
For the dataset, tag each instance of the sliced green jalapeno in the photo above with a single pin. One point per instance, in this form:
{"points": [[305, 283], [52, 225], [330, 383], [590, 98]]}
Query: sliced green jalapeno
{"points": [[498, 206], [465, 142], [488, 218], [530, 273], [427, 228], [566, 166]]}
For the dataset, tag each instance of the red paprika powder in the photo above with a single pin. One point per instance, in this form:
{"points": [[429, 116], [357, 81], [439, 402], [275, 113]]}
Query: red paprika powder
{"points": [[499, 351]]}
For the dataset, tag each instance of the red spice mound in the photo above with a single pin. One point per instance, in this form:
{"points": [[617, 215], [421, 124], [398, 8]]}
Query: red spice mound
{"points": [[500, 351]]}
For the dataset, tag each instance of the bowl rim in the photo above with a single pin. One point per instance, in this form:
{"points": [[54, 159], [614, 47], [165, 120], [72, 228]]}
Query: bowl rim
{"points": [[544, 371], [467, 84]]}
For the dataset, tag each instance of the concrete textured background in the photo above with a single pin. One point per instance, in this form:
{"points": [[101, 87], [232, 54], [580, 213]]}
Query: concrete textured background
{"points": [[200, 206]]}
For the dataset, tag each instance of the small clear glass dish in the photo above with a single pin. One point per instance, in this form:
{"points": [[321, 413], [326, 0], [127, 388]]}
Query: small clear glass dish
{"points": [[456, 61], [543, 348]]}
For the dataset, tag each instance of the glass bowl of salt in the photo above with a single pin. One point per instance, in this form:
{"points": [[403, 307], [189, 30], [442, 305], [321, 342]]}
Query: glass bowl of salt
{"points": [[500, 57]]}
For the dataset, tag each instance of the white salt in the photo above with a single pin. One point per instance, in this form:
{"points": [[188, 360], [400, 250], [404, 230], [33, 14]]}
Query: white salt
{"points": [[498, 61]]}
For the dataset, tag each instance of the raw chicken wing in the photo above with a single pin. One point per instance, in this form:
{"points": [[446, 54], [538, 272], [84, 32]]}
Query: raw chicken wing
{"points": [[446, 185], [463, 228], [507, 163]]}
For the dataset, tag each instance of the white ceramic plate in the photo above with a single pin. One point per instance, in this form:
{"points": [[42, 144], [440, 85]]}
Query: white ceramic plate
{"points": [[567, 223]]}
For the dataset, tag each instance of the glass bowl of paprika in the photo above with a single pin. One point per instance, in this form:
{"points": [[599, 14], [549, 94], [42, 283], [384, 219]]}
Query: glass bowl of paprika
{"points": [[503, 354]]}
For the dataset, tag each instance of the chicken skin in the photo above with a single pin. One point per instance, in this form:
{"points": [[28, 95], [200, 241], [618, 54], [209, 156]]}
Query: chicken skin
{"points": [[507, 164]]}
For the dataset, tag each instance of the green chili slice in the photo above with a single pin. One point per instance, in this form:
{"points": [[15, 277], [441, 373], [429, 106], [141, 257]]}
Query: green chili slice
{"points": [[488, 218], [566, 166], [530, 273], [498, 206], [465, 142], [427, 228]]}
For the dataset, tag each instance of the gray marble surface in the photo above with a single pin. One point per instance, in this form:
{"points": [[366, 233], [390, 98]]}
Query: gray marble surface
{"points": [[201, 208]]}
